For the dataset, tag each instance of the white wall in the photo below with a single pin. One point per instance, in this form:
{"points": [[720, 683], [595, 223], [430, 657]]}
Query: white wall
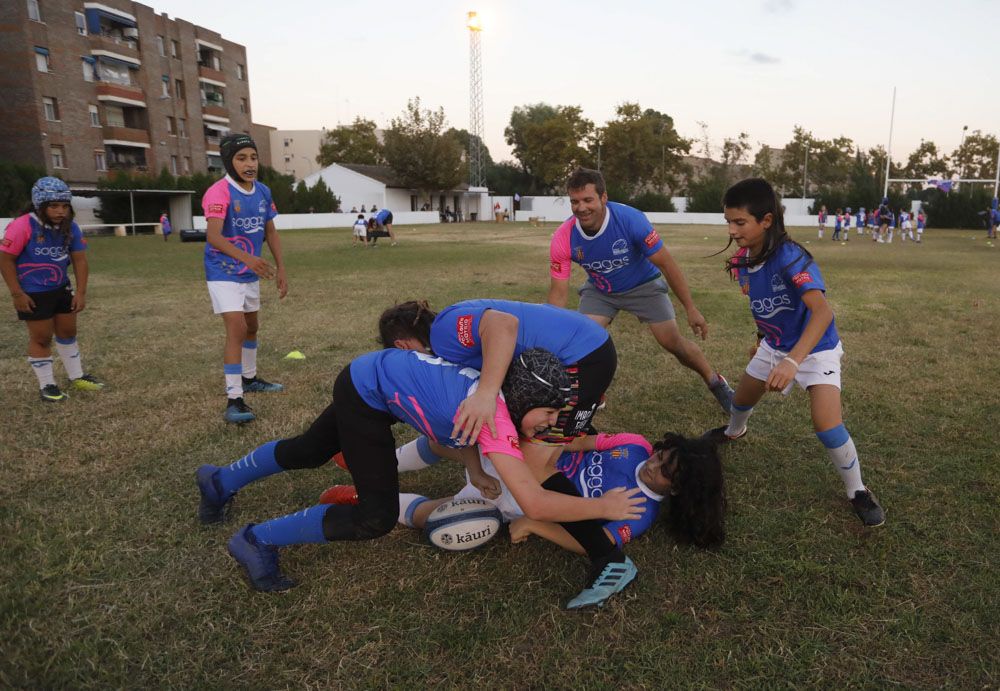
{"points": [[353, 189], [305, 221]]}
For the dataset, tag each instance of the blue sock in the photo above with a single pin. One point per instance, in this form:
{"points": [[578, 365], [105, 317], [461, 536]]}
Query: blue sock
{"points": [[257, 464], [294, 529]]}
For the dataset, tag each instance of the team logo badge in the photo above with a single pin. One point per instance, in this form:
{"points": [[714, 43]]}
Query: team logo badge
{"points": [[556, 266], [236, 205], [513, 441], [801, 278], [619, 453], [625, 533], [777, 285], [620, 246], [6, 242], [463, 329], [578, 254], [216, 208], [262, 207], [652, 238]]}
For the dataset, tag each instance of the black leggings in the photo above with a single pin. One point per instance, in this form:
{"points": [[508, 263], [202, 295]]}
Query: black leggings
{"points": [[364, 435], [590, 377]]}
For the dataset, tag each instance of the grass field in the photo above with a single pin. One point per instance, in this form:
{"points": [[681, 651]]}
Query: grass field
{"points": [[109, 581]]}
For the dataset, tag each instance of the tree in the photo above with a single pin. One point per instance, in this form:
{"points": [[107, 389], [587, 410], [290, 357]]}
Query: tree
{"points": [[16, 180], [640, 150], [705, 194], [926, 162], [354, 143], [548, 142], [507, 178], [976, 158], [281, 186], [419, 151]]}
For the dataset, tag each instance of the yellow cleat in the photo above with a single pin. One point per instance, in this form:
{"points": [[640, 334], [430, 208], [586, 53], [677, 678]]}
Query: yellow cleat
{"points": [[86, 383]]}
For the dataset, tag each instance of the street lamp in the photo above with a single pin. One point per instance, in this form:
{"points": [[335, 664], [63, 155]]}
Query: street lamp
{"points": [[961, 171]]}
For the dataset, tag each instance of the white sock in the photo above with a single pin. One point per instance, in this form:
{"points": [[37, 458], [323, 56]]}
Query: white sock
{"points": [[42, 367], [249, 359], [844, 456], [407, 503], [234, 380], [69, 353], [415, 455], [738, 420]]}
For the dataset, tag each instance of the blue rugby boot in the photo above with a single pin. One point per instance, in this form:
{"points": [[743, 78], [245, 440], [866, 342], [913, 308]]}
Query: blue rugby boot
{"points": [[238, 412], [613, 578], [257, 385], [259, 562], [214, 503]]}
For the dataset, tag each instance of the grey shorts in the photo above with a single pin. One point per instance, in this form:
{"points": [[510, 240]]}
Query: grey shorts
{"points": [[649, 302]]}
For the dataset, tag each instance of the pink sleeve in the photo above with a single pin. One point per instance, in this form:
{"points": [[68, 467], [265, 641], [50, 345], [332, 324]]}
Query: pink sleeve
{"points": [[16, 236], [216, 200], [559, 266], [506, 441], [609, 441]]}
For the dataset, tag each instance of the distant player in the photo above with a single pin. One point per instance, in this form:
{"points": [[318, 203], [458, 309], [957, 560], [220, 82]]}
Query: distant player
{"points": [[797, 344], [860, 221], [837, 225], [360, 231], [994, 220], [822, 220], [165, 226], [905, 225], [886, 221], [383, 218], [846, 234], [35, 254], [628, 268], [921, 224], [240, 217], [870, 222]]}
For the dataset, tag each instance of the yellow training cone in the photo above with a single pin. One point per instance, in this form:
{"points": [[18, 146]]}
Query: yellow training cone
{"points": [[295, 355]]}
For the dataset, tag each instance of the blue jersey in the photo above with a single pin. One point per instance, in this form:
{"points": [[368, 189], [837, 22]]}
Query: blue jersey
{"points": [[381, 216], [616, 258], [836, 224], [41, 253], [570, 336], [244, 216], [595, 472], [886, 217], [861, 219], [775, 289]]}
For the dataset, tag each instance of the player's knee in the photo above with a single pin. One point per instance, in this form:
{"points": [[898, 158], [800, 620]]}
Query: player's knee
{"points": [[301, 452], [375, 516]]}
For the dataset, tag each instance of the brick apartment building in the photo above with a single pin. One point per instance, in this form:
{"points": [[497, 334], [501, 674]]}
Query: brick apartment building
{"points": [[91, 87]]}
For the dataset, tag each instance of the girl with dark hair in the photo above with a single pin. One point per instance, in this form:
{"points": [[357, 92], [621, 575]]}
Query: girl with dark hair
{"points": [[35, 254], [797, 337]]}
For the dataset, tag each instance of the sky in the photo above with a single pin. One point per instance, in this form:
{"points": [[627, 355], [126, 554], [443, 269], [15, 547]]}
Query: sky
{"points": [[755, 66]]}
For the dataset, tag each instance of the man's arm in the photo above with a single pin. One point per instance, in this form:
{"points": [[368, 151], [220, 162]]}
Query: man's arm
{"points": [[558, 292], [664, 261]]}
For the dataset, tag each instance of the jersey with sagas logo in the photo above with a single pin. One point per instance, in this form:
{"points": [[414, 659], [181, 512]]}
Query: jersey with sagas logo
{"points": [[570, 336], [424, 392], [615, 463], [42, 255], [244, 215], [616, 258], [775, 289]]}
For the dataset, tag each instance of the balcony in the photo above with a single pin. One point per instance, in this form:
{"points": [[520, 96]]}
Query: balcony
{"points": [[212, 141], [130, 95], [114, 42], [214, 109], [132, 135], [209, 73]]}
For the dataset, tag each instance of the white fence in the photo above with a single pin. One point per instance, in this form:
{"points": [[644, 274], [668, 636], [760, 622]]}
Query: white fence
{"points": [[304, 221]]}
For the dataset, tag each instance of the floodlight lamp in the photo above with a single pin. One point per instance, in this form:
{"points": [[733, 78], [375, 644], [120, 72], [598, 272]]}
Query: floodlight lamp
{"points": [[473, 22]]}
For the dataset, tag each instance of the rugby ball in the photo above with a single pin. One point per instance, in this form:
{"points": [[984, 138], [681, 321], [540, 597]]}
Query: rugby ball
{"points": [[463, 524]]}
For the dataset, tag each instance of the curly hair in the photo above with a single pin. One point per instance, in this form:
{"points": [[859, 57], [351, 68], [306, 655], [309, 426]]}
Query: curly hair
{"points": [[696, 512], [411, 319]]}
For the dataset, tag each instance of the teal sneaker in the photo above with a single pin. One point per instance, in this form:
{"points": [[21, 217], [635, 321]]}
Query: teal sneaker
{"points": [[613, 578], [238, 412], [259, 562], [258, 385]]}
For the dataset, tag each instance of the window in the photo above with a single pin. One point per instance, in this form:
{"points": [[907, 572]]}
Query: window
{"points": [[288, 141], [100, 160], [88, 69], [187, 165], [58, 157], [182, 127], [113, 73], [114, 116], [173, 165], [34, 14], [161, 46], [42, 59], [51, 107], [95, 116], [175, 49], [171, 126], [81, 23], [179, 89], [241, 72], [244, 106], [165, 87]]}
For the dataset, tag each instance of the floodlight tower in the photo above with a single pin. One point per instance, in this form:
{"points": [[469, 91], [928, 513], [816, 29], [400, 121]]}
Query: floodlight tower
{"points": [[476, 167]]}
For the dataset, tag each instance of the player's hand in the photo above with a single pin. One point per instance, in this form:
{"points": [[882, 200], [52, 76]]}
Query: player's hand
{"points": [[697, 323], [78, 302], [259, 266], [781, 376], [520, 530], [24, 303], [478, 409], [487, 485], [282, 283], [623, 505]]}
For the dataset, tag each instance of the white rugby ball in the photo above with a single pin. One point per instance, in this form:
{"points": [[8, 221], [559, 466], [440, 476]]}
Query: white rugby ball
{"points": [[463, 524]]}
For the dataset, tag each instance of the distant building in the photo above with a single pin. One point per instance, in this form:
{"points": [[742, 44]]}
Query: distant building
{"points": [[92, 87], [294, 152], [262, 138]]}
